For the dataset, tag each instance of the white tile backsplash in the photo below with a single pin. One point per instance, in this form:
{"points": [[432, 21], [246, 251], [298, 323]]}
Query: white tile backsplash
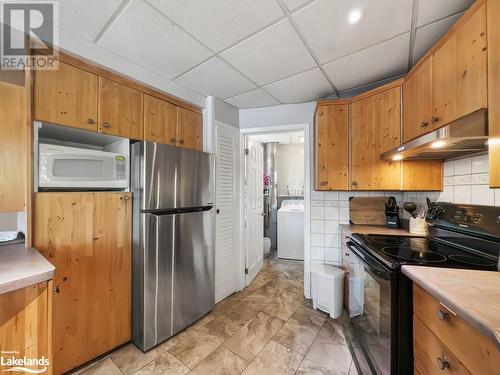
{"points": [[483, 195], [317, 213], [463, 166], [318, 226], [449, 168], [332, 213], [480, 164], [462, 194]]}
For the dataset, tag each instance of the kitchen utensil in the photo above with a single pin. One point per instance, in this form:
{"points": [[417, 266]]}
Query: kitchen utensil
{"points": [[410, 207]]}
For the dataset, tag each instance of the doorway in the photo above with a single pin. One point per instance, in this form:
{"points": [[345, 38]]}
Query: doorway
{"points": [[276, 182]]}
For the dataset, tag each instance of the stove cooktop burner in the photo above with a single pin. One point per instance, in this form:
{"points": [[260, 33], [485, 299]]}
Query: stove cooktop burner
{"points": [[388, 241], [407, 253], [472, 260]]}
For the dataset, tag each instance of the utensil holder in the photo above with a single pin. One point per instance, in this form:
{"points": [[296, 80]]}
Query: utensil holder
{"points": [[418, 227]]}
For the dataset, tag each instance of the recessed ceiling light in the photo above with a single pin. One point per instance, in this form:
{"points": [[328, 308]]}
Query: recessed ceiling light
{"points": [[354, 16], [438, 144]]}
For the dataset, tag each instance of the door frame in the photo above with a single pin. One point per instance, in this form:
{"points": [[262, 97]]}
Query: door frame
{"points": [[237, 193], [308, 139]]}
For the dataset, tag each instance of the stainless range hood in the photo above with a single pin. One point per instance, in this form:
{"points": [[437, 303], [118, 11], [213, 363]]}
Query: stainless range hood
{"points": [[467, 135]]}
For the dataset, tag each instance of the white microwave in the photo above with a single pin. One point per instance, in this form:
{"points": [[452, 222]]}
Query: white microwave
{"points": [[62, 167]]}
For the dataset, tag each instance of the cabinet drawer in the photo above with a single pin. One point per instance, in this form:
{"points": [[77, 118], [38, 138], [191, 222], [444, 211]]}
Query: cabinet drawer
{"points": [[477, 352], [430, 353]]}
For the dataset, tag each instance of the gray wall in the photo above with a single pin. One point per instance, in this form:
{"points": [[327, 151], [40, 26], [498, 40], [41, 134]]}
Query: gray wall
{"points": [[226, 113]]}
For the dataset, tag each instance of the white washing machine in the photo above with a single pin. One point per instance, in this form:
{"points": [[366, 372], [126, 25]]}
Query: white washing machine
{"points": [[291, 230]]}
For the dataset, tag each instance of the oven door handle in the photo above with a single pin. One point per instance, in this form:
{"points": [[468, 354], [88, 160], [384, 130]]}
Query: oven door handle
{"points": [[369, 262]]}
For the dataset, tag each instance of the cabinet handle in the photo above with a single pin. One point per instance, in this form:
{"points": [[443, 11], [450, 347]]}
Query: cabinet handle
{"points": [[323, 183], [443, 364], [90, 121], [106, 125], [434, 119], [125, 198], [424, 124], [172, 140], [56, 289], [181, 141], [443, 315]]}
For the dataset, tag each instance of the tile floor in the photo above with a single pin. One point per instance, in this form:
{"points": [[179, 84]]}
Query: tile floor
{"points": [[268, 328]]}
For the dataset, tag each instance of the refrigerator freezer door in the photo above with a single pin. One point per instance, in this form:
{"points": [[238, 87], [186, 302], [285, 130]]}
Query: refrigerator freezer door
{"points": [[194, 268], [172, 177], [152, 281]]}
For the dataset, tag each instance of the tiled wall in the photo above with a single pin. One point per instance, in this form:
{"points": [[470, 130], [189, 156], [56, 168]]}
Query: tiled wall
{"points": [[466, 181]]}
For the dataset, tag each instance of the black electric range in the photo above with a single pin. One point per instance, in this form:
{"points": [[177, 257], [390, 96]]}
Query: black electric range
{"points": [[460, 236]]}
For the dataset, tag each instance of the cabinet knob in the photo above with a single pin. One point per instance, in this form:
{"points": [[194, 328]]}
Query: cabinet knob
{"points": [[443, 364], [434, 119], [217, 211], [125, 198], [323, 183], [172, 140], [424, 124], [90, 121], [181, 141], [56, 289], [106, 125], [443, 315]]}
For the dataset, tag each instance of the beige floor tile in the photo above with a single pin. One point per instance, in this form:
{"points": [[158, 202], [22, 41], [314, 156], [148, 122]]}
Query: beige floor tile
{"points": [[230, 301], [274, 359], [326, 357], [202, 322], [284, 305], [220, 329], [173, 341], [221, 362], [194, 349], [105, 367], [254, 335], [296, 286], [246, 309], [334, 330], [299, 332], [274, 288], [166, 363], [130, 359]]}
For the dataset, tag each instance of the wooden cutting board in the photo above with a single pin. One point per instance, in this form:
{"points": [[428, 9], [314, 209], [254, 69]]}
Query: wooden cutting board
{"points": [[367, 211]]}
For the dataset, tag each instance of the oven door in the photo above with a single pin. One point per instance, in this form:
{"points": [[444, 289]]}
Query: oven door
{"points": [[375, 328]]}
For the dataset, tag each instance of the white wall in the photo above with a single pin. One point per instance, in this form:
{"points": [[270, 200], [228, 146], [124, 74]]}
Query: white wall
{"points": [[287, 114], [290, 167]]}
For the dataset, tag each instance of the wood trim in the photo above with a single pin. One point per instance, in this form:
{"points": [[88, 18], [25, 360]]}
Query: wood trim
{"points": [[380, 89], [326, 102], [29, 184], [50, 327], [465, 17], [127, 81]]}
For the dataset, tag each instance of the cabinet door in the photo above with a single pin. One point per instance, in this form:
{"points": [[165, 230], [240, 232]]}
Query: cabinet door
{"points": [[332, 147], [189, 129], [417, 100], [87, 237], [376, 128], [160, 121], [460, 71], [12, 147], [67, 96], [120, 110]]}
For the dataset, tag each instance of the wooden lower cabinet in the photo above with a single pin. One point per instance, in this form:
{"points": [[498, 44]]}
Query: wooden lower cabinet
{"points": [[87, 236], [26, 324], [442, 338]]}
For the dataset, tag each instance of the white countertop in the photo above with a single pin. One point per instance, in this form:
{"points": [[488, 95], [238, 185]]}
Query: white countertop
{"points": [[21, 267], [472, 295]]}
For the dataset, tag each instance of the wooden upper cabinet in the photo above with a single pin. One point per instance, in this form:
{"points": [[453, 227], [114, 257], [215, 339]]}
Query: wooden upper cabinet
{"points": [[376, 128], [459, 71], [332, 147], [120, 110], [189, 129], [417, 102], [160, 121], [67, 96], [12, 147]]}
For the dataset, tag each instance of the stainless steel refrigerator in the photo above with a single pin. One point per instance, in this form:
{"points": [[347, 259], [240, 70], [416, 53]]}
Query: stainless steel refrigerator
{"points": [[173, 240]]}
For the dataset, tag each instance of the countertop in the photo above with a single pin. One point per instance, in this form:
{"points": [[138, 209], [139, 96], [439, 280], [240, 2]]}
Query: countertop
{"points": [[21, 267], [376, 229], [472, 295]]}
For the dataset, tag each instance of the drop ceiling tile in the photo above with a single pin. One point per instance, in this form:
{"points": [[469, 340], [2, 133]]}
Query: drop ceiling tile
{"points": [[427, 36], [86, 18], [294, 4], [144, 36], [220, 23], [433, 10], [373, 64], [253, 99], [326, 29], [270, 55], [300, 87], [215, 77]]}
